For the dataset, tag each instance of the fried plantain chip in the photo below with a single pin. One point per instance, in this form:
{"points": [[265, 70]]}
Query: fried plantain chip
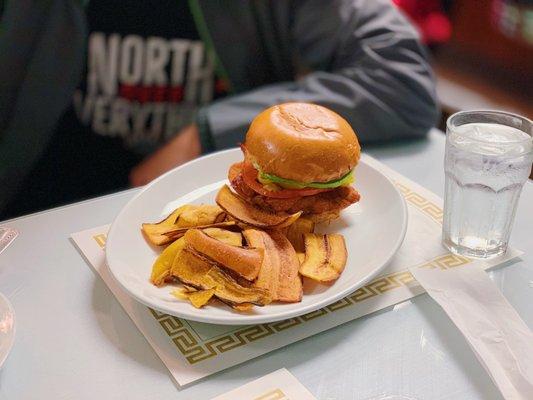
{"points": [[179, 232], [295, 233], [244, 261], [325, 257], [180, 293], [205, 214], [187, 216], [154, 232], [189, 268], [189, 288], [250, 215], [163, 263], [279, 271], [198, 298], [224, 235], [244, 307], [194, 270], [227, 289], [201, 297]]}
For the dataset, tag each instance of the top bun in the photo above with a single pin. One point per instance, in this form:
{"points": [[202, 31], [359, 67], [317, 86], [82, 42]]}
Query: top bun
{"points": [[303, 142]]}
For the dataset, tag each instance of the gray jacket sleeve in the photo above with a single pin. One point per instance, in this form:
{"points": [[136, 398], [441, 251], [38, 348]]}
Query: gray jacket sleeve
{"points": [[366, 63]]}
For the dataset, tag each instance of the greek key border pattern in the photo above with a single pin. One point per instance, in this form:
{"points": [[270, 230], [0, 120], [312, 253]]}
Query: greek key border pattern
{"points": [[195, 351], [427, 207], [276, 394]]}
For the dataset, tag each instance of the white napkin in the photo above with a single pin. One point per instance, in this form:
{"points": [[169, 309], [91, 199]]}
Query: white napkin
{"points": [[500, 339]]}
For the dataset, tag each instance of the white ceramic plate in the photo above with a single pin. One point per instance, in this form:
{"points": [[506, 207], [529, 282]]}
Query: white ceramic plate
{"points": [[374, 229], [7, 328]]}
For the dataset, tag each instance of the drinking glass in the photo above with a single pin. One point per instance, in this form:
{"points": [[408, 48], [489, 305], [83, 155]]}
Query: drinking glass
{"points": [[488, 159]]}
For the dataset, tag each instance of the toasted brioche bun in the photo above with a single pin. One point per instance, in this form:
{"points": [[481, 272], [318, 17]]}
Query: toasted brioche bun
{"points": [[303, 142]]}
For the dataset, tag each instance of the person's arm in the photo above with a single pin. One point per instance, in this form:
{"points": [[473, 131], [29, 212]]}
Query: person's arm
{"points": [[366, 63], [183, 147]]}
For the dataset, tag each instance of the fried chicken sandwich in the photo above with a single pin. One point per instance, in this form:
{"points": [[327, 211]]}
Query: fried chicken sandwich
{"points": [[298, 157]]}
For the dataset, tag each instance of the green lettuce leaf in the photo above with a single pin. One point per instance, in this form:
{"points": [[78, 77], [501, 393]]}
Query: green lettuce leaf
{"points": [[265, 179]]}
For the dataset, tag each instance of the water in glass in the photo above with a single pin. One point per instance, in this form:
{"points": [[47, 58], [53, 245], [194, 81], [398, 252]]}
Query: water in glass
{"points": [[486, 165]]}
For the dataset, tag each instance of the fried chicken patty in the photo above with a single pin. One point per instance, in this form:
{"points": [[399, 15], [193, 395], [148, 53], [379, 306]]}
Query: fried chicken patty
{"points": [[327, 202]]}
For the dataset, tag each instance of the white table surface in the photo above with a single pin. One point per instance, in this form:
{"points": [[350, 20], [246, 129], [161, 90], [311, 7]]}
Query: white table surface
{"points": [[75, 342]]}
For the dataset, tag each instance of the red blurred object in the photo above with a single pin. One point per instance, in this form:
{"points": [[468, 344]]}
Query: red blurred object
{"points": [[429, 18]]}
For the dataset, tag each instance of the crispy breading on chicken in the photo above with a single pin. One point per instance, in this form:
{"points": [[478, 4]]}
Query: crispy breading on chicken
{"points": [[326, 202]]}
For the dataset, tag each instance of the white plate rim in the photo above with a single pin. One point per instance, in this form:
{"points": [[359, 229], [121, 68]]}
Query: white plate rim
{"points": [[11, 337], [244, 319]]}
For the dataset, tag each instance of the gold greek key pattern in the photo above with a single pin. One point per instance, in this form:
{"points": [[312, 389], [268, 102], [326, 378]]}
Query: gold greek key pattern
{"points": [[446, 261], [196, 351], [424, 205], [100, 239], [288, 323], [276, 394], [314, 314]]}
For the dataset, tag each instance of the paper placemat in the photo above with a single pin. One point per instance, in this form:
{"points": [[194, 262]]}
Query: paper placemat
{"points": [[279, 385], [193, 350]]}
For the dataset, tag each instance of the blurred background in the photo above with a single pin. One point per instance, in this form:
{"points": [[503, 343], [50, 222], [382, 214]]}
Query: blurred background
{"points": [[482, 55], [482, 52]]}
